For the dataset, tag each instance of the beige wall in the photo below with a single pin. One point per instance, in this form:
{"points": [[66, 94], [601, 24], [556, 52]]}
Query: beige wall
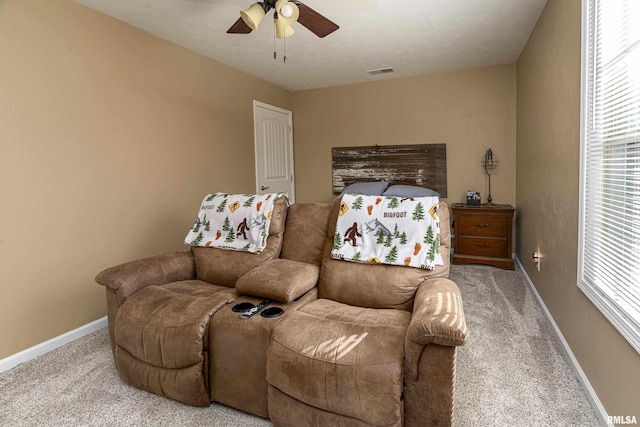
{"points": [[469, 110], [548, 148], [109, 139]]}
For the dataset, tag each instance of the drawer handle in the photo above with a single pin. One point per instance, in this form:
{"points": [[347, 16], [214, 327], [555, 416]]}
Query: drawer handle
{"points": [[481, 226], [478, 245]]}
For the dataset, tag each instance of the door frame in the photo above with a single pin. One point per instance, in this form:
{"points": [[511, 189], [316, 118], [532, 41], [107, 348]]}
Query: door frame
{"points": [[290, 160]]}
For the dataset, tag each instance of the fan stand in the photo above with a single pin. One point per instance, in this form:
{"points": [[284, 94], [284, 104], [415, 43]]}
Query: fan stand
{"points": [[489, 199]]}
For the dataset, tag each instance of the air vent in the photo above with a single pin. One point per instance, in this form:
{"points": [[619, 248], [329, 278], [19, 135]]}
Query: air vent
{"points": [[386, 70]]}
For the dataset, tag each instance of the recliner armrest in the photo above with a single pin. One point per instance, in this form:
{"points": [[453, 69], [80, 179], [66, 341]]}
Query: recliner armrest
{"points": [[437, 318], [132, 276], [437, 314]]}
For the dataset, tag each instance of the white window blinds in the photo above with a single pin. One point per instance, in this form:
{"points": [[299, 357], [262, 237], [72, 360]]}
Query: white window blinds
{"points": [[609, 259]]}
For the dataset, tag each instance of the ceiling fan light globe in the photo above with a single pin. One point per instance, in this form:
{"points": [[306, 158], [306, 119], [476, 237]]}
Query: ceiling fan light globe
{"points": [[253, 15], [288, 12]]}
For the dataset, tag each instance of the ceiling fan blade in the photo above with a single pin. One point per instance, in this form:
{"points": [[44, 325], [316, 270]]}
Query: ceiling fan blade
{"points": [[239, 27], [315, 22]]}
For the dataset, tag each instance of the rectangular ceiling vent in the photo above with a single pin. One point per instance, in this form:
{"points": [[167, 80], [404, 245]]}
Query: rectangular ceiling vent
{"points": [[386, 70]]}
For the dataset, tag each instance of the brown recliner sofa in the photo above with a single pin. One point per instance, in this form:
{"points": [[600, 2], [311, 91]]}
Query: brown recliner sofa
{"points": [[367, 345]]}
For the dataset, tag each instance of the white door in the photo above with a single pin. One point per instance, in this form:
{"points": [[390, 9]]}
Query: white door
{"points": [[274, 150]]}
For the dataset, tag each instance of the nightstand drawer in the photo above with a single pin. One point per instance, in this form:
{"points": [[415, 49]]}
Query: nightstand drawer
{"points": [[483, 226], [483, 247]]}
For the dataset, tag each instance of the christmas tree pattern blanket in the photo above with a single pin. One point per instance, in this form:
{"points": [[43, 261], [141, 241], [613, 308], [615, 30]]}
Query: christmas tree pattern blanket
{"points": [[233, 221], [389, 230]]}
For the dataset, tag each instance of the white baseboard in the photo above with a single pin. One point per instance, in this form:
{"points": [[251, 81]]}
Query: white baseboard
{"points": [[582, 377], [45, 347]]}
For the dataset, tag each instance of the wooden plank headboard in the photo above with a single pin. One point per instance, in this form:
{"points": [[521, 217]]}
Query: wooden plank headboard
{"points": [[424, 165]]}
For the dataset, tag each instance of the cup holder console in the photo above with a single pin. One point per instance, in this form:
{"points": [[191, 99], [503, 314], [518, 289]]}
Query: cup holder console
{"points": [[244, 307], [272, 312]]}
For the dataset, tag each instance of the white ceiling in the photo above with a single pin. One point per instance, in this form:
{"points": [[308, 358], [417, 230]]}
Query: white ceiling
{"points": [[412, 36]]}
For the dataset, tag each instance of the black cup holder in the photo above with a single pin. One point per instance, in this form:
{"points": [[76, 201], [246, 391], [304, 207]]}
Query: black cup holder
{"points": [[271, 312], [242, 307]]}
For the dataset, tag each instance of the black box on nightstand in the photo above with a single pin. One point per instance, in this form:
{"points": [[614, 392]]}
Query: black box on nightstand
{"points": [[473, 198]]}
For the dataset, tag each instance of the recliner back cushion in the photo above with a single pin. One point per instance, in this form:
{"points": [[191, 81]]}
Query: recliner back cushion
{"points": [[376, 285], [224, 267], [305, 232]]}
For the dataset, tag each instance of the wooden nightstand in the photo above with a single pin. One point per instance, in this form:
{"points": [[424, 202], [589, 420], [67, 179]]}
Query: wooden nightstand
{"points": [[483, 235]]}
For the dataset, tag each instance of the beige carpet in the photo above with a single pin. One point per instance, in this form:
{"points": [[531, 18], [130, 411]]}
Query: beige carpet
{"points": [[512, 372]]}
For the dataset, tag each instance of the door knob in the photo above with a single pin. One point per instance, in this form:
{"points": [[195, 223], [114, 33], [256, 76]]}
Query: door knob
{"points": [[262, 188]]}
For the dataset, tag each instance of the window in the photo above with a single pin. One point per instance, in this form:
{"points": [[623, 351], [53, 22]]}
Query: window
{"points": [[609, 250]]}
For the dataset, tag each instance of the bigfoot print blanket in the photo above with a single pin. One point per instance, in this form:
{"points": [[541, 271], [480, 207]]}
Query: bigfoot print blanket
{"points": [[388, 230], [233, 221]]}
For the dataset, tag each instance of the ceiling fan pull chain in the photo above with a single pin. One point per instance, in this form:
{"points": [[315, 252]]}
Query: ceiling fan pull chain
{"points": [[274, 43], [284, 43]]}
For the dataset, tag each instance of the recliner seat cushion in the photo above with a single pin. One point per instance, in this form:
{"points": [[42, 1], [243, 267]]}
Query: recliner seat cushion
{"points": [[342, 359], [161, 335]]}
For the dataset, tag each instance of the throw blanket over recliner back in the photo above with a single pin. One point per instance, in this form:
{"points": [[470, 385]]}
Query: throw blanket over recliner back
{"points": [[389, 230]]}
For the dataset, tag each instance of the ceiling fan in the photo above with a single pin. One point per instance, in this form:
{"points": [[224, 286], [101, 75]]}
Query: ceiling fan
{"points": [[285, 13]]}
